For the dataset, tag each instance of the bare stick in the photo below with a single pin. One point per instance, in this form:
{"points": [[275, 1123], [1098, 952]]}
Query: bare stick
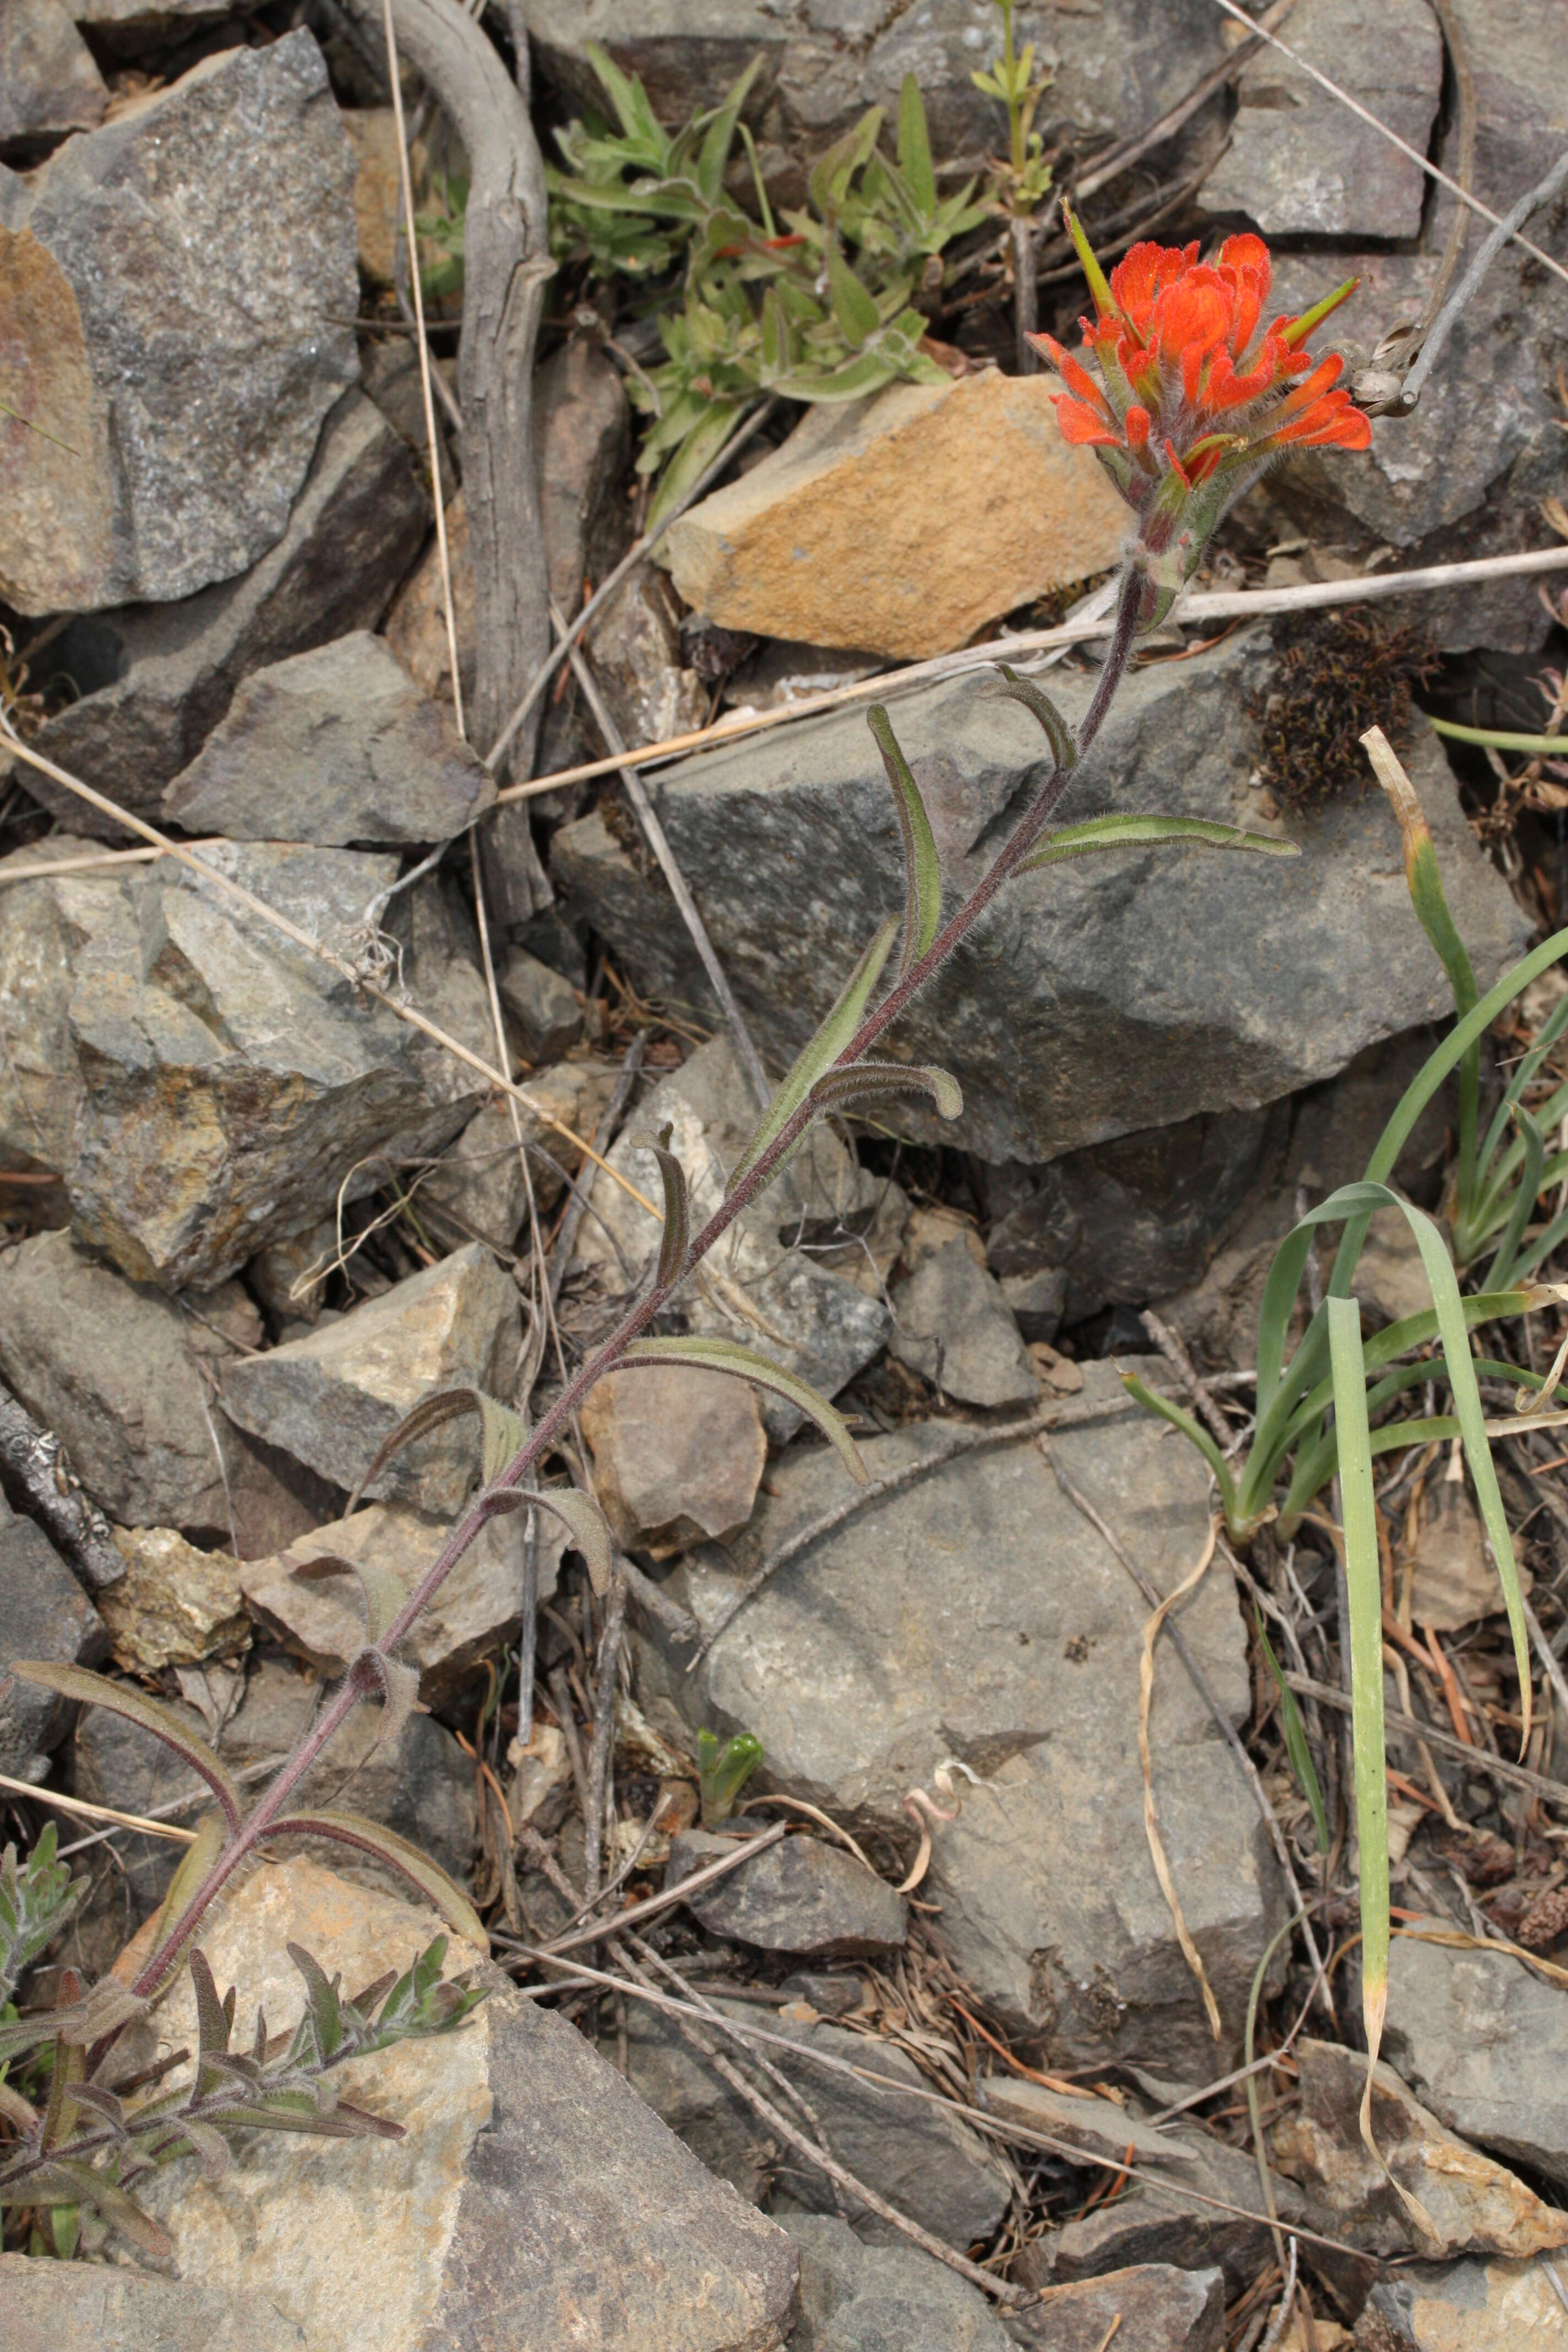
{"points": [[1176, 1355], [659, 842], [1200, 1681], [964, 1440], [1474, 1760], [41, 1470], [604, 1732], [1226, 604], [652, 1904]]}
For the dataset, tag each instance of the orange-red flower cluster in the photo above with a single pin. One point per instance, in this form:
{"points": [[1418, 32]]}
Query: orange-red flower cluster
{"points": [[1195, 396]]}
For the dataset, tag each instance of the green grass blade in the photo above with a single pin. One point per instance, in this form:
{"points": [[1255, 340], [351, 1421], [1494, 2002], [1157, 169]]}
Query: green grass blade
{"points": [[1527, 1192], [1296, 1744], [1546, 747], [1197, 1435], [1363, 1576]]}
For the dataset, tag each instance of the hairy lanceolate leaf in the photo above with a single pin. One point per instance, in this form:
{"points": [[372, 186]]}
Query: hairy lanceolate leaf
{"points": [[1102, 832], [745, 1363], [214, 2022], [676, 1236], [69, 2182], [121, 1698], [853, 1082], [383, 1593], [501, 1433], [399, 1686], [822, 1050], [194, 1864], [1063, 741], [373, 1838], [914, 146], [923, 870], [322, 2006], [577, 1512]]}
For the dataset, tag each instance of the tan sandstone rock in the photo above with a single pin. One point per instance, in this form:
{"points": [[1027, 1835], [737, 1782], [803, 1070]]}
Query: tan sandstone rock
{"points": [[175, 1606], [902, 523]]}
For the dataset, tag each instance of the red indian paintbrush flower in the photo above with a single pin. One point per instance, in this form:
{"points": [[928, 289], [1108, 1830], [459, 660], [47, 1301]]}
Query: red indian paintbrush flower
{"points": [[1195, 396]]}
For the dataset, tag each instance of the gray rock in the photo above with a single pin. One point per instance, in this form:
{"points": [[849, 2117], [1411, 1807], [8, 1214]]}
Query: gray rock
{"points": [[1465, 2307], [582, 435], [953, 1325], [330, 1400], [859, 2298], [1299, 163], [1038, 1302], [479, 1183], [1093, 999], [1519, 99], [1485, 2045], [535, 2200], [801, 1896], [334, 745], [999, 1628], [222, 1055], [637, 654], [802, 1314], [678, 1453], [1161, 2309], [929, 2164], [125, 27], [1164, 2226], [51, 931], [44, 1613], [824, 61], [44, 2307], [477, 1610], [152, 680], [420, 1785], [49, 82], [196, 254], [1136, 1218], [108, 1366], [542, 1012], [1474, 2206]]}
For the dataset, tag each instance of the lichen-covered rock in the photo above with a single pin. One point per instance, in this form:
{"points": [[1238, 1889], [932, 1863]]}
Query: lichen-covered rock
{"points": [[331, 1399], [334, 745], [176, 280], [175, 1606], [52, 931]]}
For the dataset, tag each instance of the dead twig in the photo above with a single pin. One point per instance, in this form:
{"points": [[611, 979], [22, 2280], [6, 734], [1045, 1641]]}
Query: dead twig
{"points": [[604, 1732], [40, 1470]]}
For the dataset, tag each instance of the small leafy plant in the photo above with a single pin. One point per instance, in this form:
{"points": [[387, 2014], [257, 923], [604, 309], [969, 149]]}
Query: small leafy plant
{"points": [[723, 1768], [1024, 179], [77, 2153]]}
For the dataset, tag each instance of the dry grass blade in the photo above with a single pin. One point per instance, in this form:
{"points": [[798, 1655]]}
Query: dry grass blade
{"points": [[1190, 1952], [79, 1806]]}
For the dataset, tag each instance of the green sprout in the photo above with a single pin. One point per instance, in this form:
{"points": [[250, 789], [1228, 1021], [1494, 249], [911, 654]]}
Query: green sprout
{"points": [[723, 1767]]}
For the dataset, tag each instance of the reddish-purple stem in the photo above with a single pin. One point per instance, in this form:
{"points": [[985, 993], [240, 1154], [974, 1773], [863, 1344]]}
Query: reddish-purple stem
{"points": [[363, 1678]]}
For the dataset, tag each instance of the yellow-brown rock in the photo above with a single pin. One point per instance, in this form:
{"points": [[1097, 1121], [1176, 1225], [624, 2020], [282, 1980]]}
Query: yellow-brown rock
{"points": [[175, 1606], [902, 523]]}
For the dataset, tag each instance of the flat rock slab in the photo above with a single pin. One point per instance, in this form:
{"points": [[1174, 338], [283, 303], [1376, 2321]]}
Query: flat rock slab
{"points": [[1299, 163], [153, 680], [1471, 2308], [175, 281], [477, 1610], [1166, 2225], [1092, 1000], [534, 2201], [928, 2163], [90, 2307], [902, 523], [1476, 2206], [49, 82], [801, 1896], [1151, 2307], [107, 1365], [678, 1453], [334, 745], [886, 2298], [1485, 2045], [976, 1615], [330, 1400], [953, 1325], [44, 1614]]}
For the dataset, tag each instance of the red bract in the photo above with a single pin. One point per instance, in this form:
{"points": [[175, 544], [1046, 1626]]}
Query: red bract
{"points": [[1194, 398]]}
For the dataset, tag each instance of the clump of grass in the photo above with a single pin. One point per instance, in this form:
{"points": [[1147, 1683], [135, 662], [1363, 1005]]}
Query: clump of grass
{"points": [[1338, 674]]}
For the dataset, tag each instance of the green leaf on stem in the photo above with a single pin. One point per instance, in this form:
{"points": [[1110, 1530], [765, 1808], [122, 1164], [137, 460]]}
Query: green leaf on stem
{"points": [[1101, 833], [385, 1845], [723, 1767], [914, 147], [121, 1698], [853, 1082], [821, 1051], [1062, 740], [746, 1364], [676, 1236], [922, 871], [503, 1433], [382, 1593]]}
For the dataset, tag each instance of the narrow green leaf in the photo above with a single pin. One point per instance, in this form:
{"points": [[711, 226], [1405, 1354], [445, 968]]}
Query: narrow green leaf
{"points": [[1062, 740], [585, 1523], [821, 1051], [502, 1435], [121, 1698], [194, 1864], [715, 152], [1543, 747], [1101, 832], [1296, 1743], [69, 2182], [374, 1838], [922, 869], [1196, 1434], [677, 1236], [1105, 301], [321, 1999], [1526, 1192], [914, 147], [853, 1082], [745, 1363], [381, 1594], [855, 309]]}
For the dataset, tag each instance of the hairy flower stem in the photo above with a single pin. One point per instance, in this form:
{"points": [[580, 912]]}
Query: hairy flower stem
{"points": [[362, 1680]]}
